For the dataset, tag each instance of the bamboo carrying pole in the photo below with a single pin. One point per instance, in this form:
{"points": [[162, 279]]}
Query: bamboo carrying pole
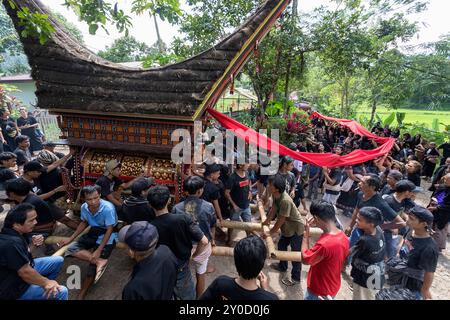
{"points": [[266, 230], [246, 226], [217, 250], [278, 255], [55, 240]]}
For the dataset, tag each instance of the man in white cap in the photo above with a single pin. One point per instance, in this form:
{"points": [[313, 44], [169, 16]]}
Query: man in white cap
{"points": [[155, 274]]}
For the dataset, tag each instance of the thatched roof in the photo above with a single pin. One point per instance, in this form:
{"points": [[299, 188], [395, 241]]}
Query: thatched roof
{"points": [[71, 79]]}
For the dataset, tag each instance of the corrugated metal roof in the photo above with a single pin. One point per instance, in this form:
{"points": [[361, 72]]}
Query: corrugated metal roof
{"points": [[16, 78]]}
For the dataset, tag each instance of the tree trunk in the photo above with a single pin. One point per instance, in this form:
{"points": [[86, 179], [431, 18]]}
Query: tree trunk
{"points": [[160, 42], [374, 109], [289, 62], [344, 97], [347, 111], [294, 7], [286, 88]]}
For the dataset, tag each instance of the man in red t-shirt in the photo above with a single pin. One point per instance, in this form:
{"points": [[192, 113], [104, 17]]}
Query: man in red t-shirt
{"points": [[327, 256]]}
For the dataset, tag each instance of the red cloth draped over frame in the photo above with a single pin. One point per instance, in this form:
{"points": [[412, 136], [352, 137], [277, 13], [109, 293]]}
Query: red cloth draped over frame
{"points": [[319, 159]]}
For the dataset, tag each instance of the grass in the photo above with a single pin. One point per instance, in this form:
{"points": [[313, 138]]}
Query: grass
{"points": [[413, 115]]}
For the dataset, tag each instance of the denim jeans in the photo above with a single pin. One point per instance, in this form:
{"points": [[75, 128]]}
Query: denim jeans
{"points": [[184, 288], [391, 244], [296, 243], [245, 214], [313, 189], [311, 296], [48, 267], [418, 295]]}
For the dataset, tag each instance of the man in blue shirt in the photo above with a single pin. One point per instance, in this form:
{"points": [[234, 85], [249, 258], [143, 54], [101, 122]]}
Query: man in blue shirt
{"points": [[100, 215]]}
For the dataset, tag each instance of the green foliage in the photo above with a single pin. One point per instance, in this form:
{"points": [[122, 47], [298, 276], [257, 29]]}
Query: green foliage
{"points": [[164, 9], [13, 59], [275, 108], [7, 99], [71, 28], [35, 25], [429, 75], [156, 59], [97, 13], [126, 49], [435, 124], [427, 133], [388, 121], [400, 116]]}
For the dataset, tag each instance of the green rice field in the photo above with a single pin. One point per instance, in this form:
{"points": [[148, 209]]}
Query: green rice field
{"points": [[413, 115]]}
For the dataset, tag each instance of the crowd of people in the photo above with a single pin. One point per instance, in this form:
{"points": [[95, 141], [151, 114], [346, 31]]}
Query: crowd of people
{"points": [[388, 228]]}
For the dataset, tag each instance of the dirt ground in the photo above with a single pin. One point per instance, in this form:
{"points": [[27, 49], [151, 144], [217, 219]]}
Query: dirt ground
{"points": [[116, 276]]}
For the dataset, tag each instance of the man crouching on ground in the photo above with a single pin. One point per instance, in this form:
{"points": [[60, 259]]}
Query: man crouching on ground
{"points": [[21, 276], [101, 216]]}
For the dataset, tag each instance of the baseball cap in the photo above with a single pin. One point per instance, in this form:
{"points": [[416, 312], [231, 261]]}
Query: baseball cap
{"points": [[141, 184], [139, 236], [293, 146], [397, 175], [33, 166], [422, 214], [406, 185], [111, 165]]}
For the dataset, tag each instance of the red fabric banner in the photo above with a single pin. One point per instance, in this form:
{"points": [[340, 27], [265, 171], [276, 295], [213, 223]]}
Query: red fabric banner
{"points": [[354, 126], [319, 159]]}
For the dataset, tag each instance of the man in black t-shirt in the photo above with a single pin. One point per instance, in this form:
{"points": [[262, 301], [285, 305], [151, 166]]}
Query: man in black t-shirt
{"points": [[421, 251], [109, 183], [285, 170], [400, 201], [155, 274], [22, 151], [368, 255], [211, 190], [136, 207], [332, 183], [369, 197], [21, 276], [445, 151], [19, 191], [7, 161], [178, 232], [238, 193], [249, 257], [9, 130]]}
